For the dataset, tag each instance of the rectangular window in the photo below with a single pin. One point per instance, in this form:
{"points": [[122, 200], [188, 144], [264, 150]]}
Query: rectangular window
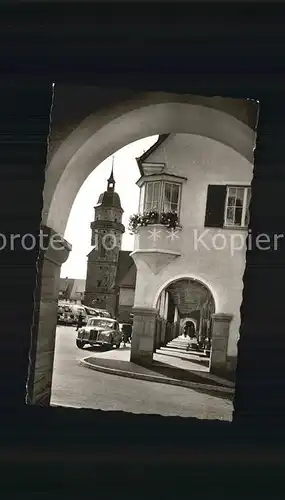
{"points": [[160, 196], [237, 206], [152, 196], [170, 197]]}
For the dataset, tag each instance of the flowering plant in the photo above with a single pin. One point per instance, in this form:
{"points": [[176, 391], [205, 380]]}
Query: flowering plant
{"points": [[168, 219]]}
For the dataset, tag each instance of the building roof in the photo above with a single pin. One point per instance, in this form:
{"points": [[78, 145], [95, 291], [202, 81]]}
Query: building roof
{"points": [[66, 285], [147, 153], [69, 287], [78, 286], [129, 280], [109, 199], [126, 272], [63, 284], [155, 176]]}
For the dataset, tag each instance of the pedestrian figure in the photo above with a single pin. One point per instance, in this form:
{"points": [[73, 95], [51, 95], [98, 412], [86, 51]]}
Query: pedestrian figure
{"points": [[126, 333], [79, 321], [190, 329]]}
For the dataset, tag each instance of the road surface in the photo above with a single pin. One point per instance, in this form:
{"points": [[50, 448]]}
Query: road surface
{"points": [[77, 386]]}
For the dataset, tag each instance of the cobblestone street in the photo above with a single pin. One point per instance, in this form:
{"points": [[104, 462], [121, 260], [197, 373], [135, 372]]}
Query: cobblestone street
{"points": [[76, 386]]}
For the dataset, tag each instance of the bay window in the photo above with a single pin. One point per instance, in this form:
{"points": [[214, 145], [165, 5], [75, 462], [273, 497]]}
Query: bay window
{"points": [[160, 196]]}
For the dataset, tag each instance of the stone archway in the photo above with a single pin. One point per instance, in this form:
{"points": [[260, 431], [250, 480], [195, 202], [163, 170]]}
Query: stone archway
{"points": [[100, 135], [91, 141], [178, 299]]}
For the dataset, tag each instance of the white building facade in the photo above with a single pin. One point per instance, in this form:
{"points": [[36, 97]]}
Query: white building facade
{"points": [[208, 185]]}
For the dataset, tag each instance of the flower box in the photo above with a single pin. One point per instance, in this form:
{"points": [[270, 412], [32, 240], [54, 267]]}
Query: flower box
{"points": [[168, 219]]}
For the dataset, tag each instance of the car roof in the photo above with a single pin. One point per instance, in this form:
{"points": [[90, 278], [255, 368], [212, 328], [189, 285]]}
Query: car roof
{"points": [[100, 318]]}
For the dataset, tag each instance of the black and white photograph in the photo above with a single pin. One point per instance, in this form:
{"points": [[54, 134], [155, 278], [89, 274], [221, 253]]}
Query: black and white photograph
{"points": [[142, 248], [145, 226]]}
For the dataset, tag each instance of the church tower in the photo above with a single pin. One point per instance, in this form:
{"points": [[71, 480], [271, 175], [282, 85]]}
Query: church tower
{"points": [[107, 230]]}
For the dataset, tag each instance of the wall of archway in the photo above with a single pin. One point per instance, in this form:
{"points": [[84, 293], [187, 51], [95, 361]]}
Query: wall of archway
{"points": [[102, 134], [149, 286], [183, 279], [90, 142]]}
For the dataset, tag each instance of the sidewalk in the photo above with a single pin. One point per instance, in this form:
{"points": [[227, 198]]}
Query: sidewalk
{"points": [[172, 364]]}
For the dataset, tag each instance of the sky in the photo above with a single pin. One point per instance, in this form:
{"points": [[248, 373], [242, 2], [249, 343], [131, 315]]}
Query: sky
{"points": [[78, 232]]}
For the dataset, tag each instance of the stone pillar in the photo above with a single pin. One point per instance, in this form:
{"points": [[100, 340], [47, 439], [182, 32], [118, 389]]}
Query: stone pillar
{"points": [[220, 336], [163, 331], [53, 253], [162, 304], [162, 315], [143, 335], [200, 325], [177, 329], [166, 305], [175, 315], [175, 322], [158, 333]]}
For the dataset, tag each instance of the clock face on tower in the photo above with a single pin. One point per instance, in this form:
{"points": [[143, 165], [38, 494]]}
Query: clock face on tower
{"points": [[109, 246], [109, 242]]}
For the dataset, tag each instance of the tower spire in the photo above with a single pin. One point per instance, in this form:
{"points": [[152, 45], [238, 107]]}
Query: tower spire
{"points": [[111, 180]]}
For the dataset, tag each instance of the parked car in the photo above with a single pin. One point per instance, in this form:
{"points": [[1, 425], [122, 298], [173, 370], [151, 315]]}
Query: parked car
{"points": [[78, 309], [102, 312], [65, 315], [92, 311], [99, 331]]}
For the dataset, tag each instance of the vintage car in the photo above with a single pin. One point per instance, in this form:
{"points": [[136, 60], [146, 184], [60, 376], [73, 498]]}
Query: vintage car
{"points": [[91, 312], [101, 312], [78, 309], [65, 314], [98, 332]]}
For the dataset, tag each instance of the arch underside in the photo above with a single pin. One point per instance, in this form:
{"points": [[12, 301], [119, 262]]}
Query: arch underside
{"points": [[189, 295]]}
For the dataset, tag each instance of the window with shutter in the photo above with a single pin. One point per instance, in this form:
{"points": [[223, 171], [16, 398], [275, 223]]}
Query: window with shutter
{"points": [[227, 206]]}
